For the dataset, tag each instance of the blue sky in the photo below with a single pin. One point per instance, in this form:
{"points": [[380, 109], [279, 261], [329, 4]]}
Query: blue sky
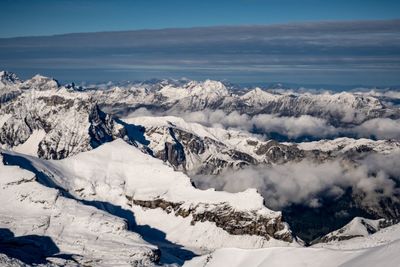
{"points": [[44, 17], [336, 42]]}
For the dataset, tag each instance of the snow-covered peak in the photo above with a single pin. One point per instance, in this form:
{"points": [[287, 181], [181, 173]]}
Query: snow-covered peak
{"points": [[207, 90], [358, 227], [345, 144], [126, 164], [258, 96], [345, 100], [8, 79], [207, 87], [9, 86], [56, 123], [41, 83]]}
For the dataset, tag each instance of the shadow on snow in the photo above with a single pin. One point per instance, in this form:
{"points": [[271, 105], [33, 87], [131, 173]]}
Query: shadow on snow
{"points": [[170, 252]]}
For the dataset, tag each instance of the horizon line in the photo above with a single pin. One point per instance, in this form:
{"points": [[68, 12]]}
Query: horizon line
{"points": [[290, 23]]}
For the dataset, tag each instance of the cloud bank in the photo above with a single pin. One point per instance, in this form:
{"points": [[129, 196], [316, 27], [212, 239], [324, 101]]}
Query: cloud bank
{"points": [[307, 182], [291, 127]]}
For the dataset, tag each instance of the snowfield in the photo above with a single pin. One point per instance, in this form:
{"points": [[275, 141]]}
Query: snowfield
{"points": [[362, 252], [32, 213]]}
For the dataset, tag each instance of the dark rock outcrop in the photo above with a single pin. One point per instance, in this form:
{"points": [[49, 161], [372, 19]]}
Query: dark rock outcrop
{"points": [[225, 217]]}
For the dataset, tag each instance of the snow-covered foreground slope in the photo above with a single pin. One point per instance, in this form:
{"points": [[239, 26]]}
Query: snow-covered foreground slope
{"points": [[358, 227], [38, 223], [159, 203], [379, 249]]}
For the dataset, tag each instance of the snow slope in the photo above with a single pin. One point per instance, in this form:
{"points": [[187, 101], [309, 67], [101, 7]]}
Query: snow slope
{"points": [[162, 199], [358, 227], [39, 223], [371, 253], [117, 163], [30, 146]]}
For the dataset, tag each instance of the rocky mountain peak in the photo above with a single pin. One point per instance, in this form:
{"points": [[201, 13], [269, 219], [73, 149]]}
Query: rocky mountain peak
{"points": [[40, 83], [8, 78]]}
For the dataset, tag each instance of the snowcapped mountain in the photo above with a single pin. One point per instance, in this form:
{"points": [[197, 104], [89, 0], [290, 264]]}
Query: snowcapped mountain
{"points": [[164, 95], [62, 122], [38, 223], [82, 183], [40, 82], [8, 79], [54, 123], [196, 149], [358, 227], [349, 145], [338, 108], [9, 86], [122, 177]]}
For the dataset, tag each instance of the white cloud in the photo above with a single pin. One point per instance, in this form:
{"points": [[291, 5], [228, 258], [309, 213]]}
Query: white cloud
{"points": [[380, 128], [304, 182]]}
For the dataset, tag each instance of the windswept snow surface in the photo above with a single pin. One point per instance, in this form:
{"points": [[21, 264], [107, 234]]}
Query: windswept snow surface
{"points": [[380, 249], [358, 227], [30, 146], [38, 223], [117, 168]]}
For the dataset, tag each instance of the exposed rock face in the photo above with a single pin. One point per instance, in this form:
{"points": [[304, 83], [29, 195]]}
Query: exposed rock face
{"points": [[9, 86], [71, 124], [196, 149], [225, 217], [101, 127], [386, 207]]}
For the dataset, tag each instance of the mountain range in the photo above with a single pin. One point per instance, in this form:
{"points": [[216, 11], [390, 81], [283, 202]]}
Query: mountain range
{"points": [[157, 173]]}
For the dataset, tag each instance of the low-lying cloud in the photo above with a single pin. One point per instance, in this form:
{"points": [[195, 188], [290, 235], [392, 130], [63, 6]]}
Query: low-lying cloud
{"points": [[290, 127], [306, 182], [380, 128]]}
